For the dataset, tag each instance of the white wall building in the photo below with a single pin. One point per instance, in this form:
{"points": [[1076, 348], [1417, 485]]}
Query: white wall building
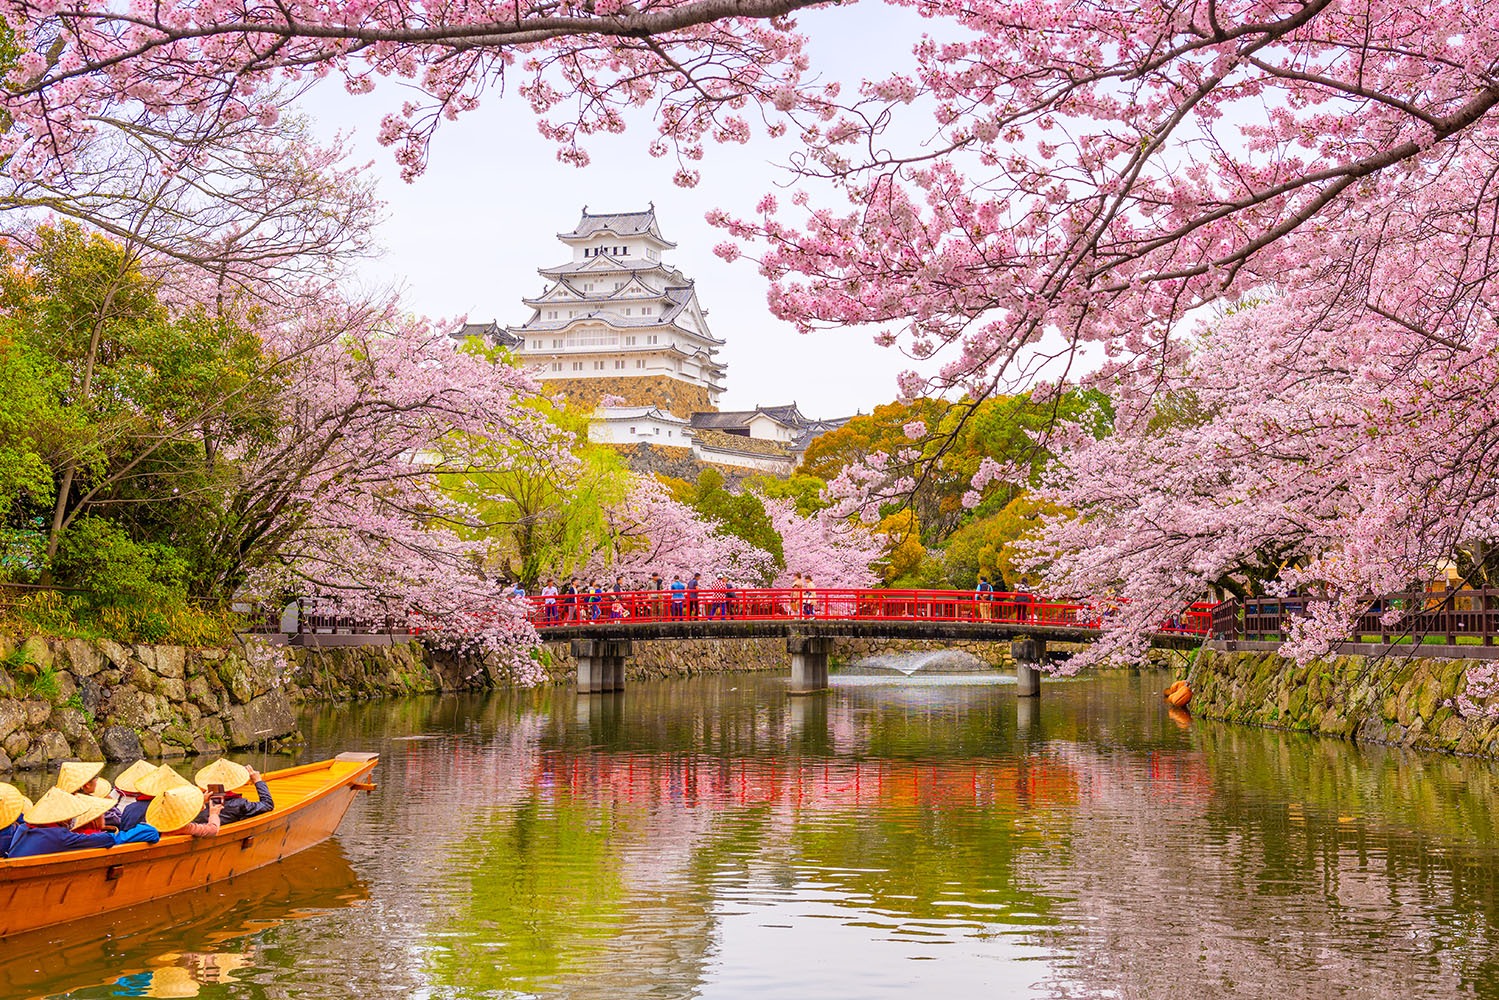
{"points": [[628, 425], [616, 310]]}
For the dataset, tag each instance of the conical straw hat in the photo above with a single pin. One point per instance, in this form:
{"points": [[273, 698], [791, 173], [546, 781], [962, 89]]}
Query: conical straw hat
{"points": [[128, 779], [94, 806], [223, 772], [74, 774], [57, 806], [174, 808], [160, 780], [12, 804]]}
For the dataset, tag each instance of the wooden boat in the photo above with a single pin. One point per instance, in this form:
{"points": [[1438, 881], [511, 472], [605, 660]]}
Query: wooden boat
{"points": [[53, 889], [221, 919]]}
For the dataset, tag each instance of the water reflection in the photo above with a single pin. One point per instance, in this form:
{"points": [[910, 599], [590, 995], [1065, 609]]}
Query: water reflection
{"points": [[176, 946], [715, 838]]}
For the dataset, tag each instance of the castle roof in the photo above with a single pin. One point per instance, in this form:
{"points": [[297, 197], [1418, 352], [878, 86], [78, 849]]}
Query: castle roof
{"points": [[491, 332], [618, 223]]}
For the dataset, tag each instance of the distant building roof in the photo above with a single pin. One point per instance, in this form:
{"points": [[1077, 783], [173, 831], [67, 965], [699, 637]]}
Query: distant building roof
{"points": [[618, 223], [636, 413], [788, 416], [491, 332]]}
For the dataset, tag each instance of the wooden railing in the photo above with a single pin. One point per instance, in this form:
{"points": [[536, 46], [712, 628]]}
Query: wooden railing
{"points": [[758, 604], [1454, 617]]}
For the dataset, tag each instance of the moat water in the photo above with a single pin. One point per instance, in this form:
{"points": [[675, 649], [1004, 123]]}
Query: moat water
{"points": [[896, 837]]}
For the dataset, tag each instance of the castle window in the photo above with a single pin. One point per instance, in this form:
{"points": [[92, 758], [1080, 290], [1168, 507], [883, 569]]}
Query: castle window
{"points": [[632, 430], [598, 366], [646, 310], [556, 366], [556, 343], [629, 341], [640, 363], [628, 312], [619, 364], [577, 366]]}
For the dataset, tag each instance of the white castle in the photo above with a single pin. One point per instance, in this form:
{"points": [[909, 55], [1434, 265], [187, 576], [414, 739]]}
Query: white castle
{"points": [[617, 311]]}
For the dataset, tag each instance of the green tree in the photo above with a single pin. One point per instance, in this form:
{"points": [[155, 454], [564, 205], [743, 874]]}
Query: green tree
{"points": [[739, 514], [544, 502]]}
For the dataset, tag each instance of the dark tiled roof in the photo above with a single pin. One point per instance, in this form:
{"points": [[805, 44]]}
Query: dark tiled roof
{"points": [[490, 331]]}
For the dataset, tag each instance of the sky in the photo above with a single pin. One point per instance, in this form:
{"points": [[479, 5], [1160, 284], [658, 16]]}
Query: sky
{"points": [[466, 238]]}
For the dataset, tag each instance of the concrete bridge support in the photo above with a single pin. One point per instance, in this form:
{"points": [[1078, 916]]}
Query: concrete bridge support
{"points": [[1029, 654], [809, 663], [601, 664]]}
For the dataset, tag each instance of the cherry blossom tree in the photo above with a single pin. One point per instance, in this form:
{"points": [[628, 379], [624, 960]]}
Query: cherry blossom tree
{"points": [[1041, 178], [834, 552], [652, 532], [343, 501]]}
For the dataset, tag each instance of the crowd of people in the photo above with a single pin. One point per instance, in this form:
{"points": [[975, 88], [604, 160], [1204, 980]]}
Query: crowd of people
{"points": [[591, 600], [145, 803]]}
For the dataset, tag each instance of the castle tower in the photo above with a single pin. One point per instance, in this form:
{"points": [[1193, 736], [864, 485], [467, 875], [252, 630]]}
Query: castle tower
{"points": [[617, 321]]}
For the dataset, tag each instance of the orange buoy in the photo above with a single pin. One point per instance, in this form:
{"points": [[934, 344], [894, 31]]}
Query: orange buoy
{"points": [[1178, 694]]}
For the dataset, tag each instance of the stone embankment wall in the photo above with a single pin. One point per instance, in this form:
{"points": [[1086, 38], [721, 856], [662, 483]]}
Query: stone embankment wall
{"points": [[1405, 701], [93, 699]]}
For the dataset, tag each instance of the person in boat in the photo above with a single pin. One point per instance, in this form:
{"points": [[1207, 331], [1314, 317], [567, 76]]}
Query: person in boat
{"points": [[47, 826], [130, 811], [82, 778], [12, 805], [231, 776], [91, 821], [175, 812]]}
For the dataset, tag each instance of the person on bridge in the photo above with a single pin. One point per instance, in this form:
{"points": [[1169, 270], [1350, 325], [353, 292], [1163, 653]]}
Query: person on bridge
{"points": [[809, 597], [1023, 599], [549, 599], [692, 589], [657, 585], [717, 607], [678, 596], [568, 595], [983, 595]]}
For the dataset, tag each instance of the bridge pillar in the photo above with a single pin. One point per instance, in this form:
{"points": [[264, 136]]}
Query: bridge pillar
{"points": [[809, 663], [601, 664], [1029, 655]]}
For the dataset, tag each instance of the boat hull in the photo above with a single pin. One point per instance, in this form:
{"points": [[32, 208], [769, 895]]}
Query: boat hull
{"points": [[54, 889]]}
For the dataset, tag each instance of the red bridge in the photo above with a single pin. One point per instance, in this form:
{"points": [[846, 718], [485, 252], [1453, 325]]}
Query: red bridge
{"points": [[602, 625], [734, 611]]}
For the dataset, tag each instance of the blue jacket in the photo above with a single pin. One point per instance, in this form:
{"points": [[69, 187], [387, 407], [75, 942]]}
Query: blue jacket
{"points": [[6, 834], [237, 807], [33, 840], [130, 814]]}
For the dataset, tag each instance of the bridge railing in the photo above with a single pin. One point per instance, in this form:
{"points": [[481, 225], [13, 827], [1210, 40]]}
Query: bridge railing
{"points": [[1455, 616], [790, 604]]}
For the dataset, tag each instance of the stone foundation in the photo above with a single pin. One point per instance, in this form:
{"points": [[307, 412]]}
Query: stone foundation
{"points": [[1397, 700], [88, 699]]}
